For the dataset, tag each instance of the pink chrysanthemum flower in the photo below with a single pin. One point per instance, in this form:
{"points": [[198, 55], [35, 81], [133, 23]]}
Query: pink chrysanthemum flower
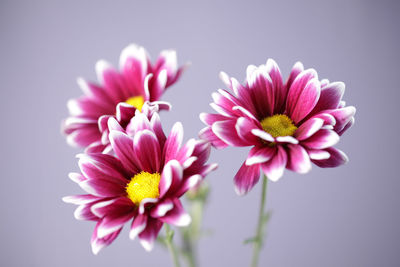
{"points": [[119, 93], [142, 182], [288, 124]]}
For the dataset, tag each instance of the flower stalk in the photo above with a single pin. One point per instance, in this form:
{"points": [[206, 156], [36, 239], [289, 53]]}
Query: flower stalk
{"points": [[262, 221], [169, 235], [191, 234]]}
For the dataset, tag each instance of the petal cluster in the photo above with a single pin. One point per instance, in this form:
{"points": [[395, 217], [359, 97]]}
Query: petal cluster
{"points": [[136, 78], [314, 107], [140, 147]]}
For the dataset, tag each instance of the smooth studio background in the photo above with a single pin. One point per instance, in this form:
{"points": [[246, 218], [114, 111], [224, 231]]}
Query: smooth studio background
{"points": [[348, 216]]}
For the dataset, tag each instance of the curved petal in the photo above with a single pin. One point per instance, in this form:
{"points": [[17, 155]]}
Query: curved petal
{"points": [[149, 234], [337, 158], [308, 128], [246, 178], [274, 168], [299, 161], [226, 131], [306, 100], [259, 155], [176, 216], [324, 138], [99, 243], [138, 225], [171, 177], [173, 142], [122, 145], [147, 150]]}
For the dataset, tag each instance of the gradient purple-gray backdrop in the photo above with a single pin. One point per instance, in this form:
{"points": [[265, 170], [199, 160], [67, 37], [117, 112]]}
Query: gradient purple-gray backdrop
{"points": [[348, 216]]}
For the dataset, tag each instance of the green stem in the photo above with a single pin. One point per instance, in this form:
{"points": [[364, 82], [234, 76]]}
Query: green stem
{"points": [[169, 235], [260, 226], [192, 233]]}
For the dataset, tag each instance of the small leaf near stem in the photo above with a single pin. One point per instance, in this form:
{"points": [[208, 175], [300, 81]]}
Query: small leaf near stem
{"points": [[262, 221]]}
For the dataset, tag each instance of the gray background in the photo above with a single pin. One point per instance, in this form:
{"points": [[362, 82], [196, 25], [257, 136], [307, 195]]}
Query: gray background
{"points": [[348, 216]]}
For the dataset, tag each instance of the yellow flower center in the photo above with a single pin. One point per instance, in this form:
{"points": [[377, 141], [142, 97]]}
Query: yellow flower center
{"points": [[143, 185], [136, 101], [278, 125]]}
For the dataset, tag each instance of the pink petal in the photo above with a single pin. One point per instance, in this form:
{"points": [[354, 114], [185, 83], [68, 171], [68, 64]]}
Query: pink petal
{"points": [[125, 112], [296, 70], [190, 183], [168, 61], [155, 124], [84, 135], [138, 225], [331, 95], [173, 142], [287, 139], [297, 87], [226, 131], [177, 216], [113, 206], [337, 158], [102, 188], [263, 135], [99, 243], [322, 139], [96, 93], [259, 155], [318, 154], [343, 116], [306, 100], [80, 199], [149, 234], [171, 177], [347, 126], [122, 145], [102, 167], [112, 223], [112, 81], [138, 123], [243, 127], [162, 208], [134, 67], [246, 178], [274, 168], [262, 91], [147, 150], [308, 128], [299, 161], [280, 91], [207, 134], [84, 212], [209, 119]]}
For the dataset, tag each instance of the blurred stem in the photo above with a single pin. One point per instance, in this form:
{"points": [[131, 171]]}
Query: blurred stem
{"points": [[262, 219], [169, 235], [191, 234]]}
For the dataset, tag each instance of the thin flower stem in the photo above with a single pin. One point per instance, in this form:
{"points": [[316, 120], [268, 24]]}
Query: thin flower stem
{"points": [[258, 240], [169, 235], [192, 234]]}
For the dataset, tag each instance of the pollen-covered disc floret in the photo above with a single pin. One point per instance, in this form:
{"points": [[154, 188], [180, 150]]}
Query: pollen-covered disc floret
{"points": [[143, 185], [118, 93], [278, 125], [288, 124], [136, 102], [141, 182]]}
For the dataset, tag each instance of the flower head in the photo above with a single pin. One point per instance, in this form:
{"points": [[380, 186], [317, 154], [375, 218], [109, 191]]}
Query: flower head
{"points": [[119, 93], [142, 182], [289, 125]]}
